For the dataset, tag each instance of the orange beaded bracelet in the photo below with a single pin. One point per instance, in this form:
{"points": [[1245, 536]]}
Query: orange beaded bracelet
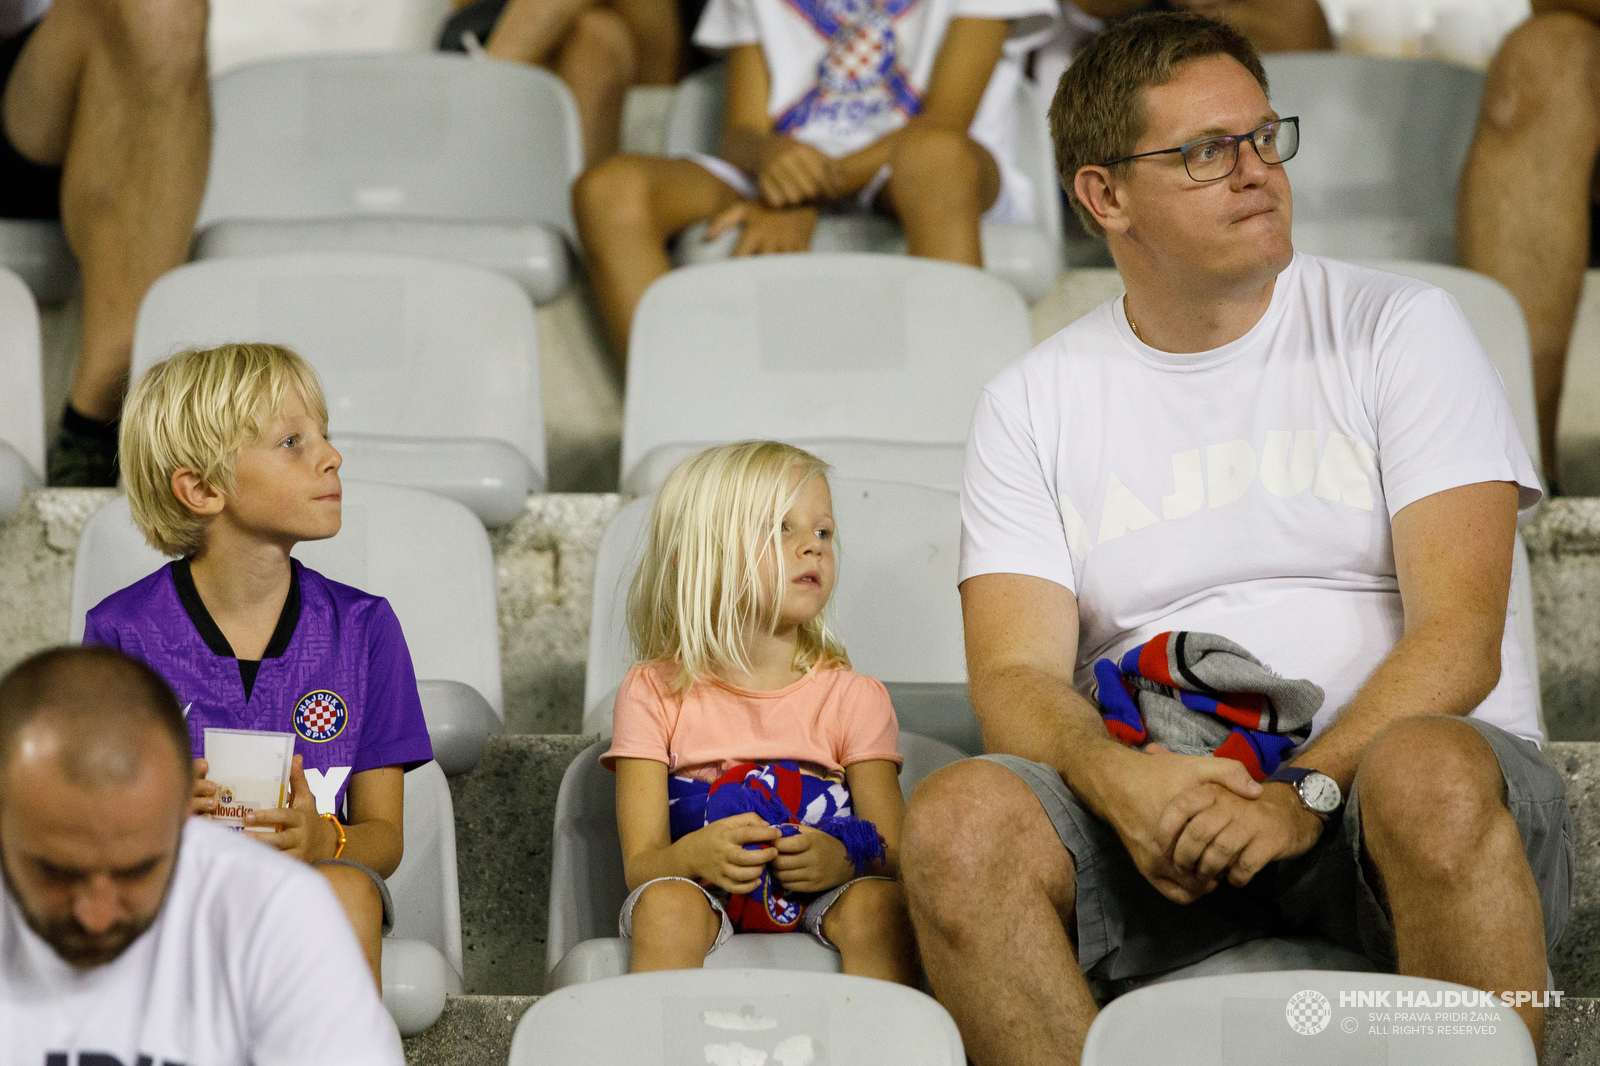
{"points": [[334, 819]]}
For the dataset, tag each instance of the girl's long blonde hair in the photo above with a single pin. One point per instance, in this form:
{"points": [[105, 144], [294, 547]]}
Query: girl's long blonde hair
{"points": [[715, 532]]}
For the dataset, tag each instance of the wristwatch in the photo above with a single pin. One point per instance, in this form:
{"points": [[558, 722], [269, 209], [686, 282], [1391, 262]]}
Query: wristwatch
{"points": [[1319, 792]]}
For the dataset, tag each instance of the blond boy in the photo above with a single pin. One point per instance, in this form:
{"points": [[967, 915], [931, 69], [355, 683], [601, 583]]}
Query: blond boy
{"points": [[228, 466]]}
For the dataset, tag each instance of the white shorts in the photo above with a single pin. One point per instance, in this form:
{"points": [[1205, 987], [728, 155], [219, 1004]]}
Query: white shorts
{"points": [[810, 918], [1014, 204]]}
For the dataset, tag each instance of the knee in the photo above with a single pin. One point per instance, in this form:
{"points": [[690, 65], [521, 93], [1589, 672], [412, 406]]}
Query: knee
{"points": [[1432, 796], [869, 912], [614, 193], [600, 48], [359, 897], [928, 163], [969, 831], [1546, 73], [670, 906]]}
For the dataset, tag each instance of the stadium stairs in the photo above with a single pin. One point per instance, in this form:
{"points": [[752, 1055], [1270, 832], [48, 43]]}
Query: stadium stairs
{"points": [[504, 808]]}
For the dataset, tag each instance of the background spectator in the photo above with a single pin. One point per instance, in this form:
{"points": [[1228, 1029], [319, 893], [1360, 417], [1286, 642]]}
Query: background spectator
{"points": [[1526, 206], [107, 125], [598, 47]]}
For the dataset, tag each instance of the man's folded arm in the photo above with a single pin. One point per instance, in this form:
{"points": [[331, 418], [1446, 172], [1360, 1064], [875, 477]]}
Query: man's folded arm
{"points": [[1452, 553]]}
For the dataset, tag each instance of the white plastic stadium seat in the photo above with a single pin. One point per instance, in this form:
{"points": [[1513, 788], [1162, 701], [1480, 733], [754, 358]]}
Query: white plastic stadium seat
{"points": [[428, 556], [738, 1018], [422, 956], [37, 250], [895, 604], [431, 368], [430, 154], [1305, 1016], [242, 31], [1028, 255], [587, 886], [873, 362], [21, 394], [1382, 142]]}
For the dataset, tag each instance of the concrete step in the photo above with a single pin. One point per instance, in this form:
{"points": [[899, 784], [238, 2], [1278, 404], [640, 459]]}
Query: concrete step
{"points": [[477, 1030], [545, 566]]}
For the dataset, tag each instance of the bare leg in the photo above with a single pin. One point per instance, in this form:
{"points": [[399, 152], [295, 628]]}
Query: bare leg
{"points": [[364, 907], [657, 38], [673, 928], [992, 891], [871, 928], [1522, 215], [115, 92], [1454, 876], [940, 184], [627, 208], [530, 31], [598, 63]]}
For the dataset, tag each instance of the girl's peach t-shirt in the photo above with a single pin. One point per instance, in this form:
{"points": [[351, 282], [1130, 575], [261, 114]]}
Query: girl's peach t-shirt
{"points": [[829, 719]]}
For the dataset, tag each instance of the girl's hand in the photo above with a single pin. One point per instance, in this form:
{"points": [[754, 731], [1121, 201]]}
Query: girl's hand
{"points": [[812, 861], [205, 792], [302, 832], [765, 230], [792, 173], [717, 854]]}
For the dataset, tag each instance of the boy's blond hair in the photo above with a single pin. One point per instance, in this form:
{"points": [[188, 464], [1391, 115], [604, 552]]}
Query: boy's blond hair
{"points": [[197, 410], [717, 525]]}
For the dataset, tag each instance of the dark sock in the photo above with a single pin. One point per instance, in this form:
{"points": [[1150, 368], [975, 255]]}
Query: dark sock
{"points": [[75, 421]]}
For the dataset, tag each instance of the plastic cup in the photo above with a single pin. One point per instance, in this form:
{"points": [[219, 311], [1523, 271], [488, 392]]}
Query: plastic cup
{"points": [[251, 770]]}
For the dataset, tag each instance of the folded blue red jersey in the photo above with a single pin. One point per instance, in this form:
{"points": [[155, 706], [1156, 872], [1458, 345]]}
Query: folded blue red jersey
{"points": [[786, 798], [1198, 694]]}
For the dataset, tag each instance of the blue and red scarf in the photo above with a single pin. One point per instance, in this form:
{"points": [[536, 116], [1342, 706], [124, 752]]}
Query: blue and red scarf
{"points": [[786, 798]]}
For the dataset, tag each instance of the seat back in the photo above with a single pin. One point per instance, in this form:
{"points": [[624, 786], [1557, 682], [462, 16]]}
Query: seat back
{"points": [[427, 896], [738, 1016], [36, 249], [587, 886], [428, 556], [22, 373], [406, 348], [894, 605], [1382, 142], [394, 135], [877, 361], [1300, 1016]]}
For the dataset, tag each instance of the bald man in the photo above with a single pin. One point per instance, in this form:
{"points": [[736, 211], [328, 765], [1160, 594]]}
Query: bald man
{"points": [[131, 933]]}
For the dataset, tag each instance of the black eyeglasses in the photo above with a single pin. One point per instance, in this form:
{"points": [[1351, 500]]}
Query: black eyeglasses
{"points": [[1214, 158]]}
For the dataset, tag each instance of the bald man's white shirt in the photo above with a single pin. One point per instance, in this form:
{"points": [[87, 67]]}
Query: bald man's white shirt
{"points": [[251, 963]]}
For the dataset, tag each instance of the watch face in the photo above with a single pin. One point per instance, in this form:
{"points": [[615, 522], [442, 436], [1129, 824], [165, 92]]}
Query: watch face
{"points": [[1320, 792]]}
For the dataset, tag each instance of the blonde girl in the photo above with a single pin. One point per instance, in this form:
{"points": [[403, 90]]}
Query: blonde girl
{"points": [[743, 700]]}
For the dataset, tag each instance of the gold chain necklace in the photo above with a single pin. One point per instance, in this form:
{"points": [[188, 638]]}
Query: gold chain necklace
{"points": [[1129, 316]]}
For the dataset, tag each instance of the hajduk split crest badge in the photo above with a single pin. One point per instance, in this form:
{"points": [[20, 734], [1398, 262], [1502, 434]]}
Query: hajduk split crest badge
{"points": [[320, 716]]}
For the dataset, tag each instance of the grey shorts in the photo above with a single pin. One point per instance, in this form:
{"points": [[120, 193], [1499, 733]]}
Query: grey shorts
{"points": [[1127, 929], [383, 888], [810, 918]]}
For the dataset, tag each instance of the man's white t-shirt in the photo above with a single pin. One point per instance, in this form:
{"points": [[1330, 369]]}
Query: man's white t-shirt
{"points": [[1246, 491], [845, 73], [251, 961]]}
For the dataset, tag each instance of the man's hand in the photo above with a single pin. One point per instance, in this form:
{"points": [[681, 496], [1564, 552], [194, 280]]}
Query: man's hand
{"points": [[301, 831], [1140, 786], [812, 861], [767, 231], [205, 792], [1214, 832], [791, 173], [717, 854]]}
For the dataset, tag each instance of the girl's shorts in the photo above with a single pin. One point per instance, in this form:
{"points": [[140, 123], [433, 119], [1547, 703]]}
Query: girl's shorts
{"points": [[810, 918]]}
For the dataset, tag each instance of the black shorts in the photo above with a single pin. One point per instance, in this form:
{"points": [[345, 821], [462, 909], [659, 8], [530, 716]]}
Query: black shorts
{"points": [[27, 190]]}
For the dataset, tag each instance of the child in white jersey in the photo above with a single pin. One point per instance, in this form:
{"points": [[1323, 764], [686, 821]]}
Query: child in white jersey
{"points": [[757, 774], [904, 107]]}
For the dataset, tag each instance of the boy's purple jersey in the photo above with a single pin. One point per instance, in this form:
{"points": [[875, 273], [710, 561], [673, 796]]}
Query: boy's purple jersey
{"points": [[337, 673]]}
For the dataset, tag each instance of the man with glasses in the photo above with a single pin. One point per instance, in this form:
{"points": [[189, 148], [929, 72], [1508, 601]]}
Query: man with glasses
{"points": [[1314, 460]]}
